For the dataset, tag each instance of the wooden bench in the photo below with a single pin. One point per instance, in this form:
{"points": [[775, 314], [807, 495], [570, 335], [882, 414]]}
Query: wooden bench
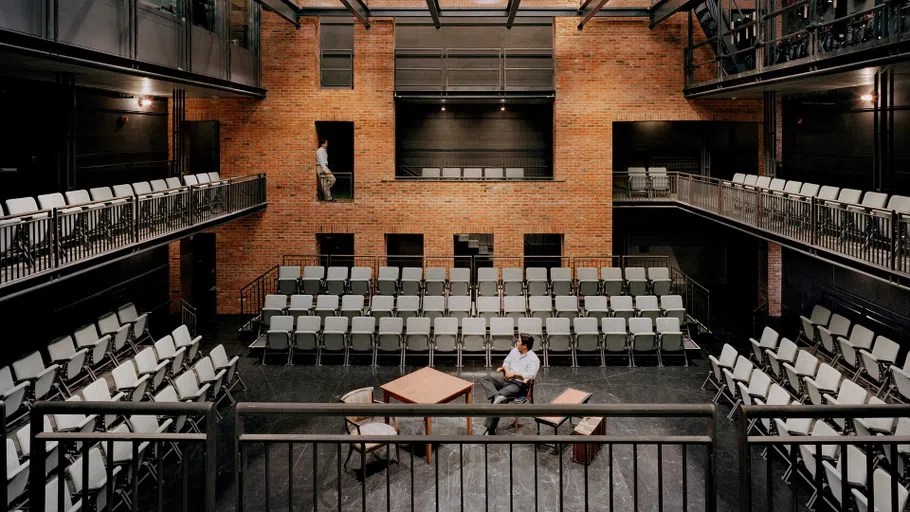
{"points": [[569, 396]]}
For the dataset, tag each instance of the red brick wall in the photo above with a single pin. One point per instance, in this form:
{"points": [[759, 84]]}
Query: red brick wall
{"points": [[775, 264], [615, 70]]}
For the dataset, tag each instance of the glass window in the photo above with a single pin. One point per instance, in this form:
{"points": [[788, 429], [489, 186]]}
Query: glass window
{"points": [[240, 23], [336, 59], [168, 6], [204, 14]]}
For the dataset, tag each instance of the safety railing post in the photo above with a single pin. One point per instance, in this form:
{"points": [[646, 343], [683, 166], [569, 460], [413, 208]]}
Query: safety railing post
{"points": [[135, 218], [745, 464], [54, 239], [894, 235]]}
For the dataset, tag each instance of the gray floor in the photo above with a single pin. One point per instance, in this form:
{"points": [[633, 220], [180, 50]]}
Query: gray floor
{"points": [[487, 481]]}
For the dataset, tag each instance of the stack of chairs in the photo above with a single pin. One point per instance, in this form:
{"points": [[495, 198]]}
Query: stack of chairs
{"points": [[831, 362]]}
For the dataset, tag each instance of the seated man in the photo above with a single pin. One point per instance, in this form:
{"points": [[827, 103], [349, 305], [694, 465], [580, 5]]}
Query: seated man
{"points": [[519, 368]]}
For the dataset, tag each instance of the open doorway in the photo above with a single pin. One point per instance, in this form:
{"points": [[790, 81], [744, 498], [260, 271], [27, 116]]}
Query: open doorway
{"points": [[543, 250], [340, 135], [474, 245], [404, 250], [336, 249]]}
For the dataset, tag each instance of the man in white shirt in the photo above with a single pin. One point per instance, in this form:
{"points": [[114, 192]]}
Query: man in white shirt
{"points": [[519, 368], [323, 174]]}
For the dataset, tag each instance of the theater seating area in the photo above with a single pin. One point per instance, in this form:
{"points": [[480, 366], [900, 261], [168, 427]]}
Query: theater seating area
{"points": [[472, 173], [832, 362], [112, 359], [626, 312]]}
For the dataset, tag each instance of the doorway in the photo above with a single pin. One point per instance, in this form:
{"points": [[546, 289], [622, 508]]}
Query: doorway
{"points": [[340, 135], [404, 250], [543, 250], [474, 247], [198, 277], [336, 249]]}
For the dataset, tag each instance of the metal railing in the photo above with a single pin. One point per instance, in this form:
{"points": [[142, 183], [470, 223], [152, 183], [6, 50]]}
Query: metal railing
{"points": [[755, 43], [782, 453], [134, 466], [47, 240], [878, 237], [188, 316], [279, 460], [472, 69], [696, 298]]}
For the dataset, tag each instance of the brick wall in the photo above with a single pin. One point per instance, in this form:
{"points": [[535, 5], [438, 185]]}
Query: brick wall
{"points": [[615, 70], [775, 264]]}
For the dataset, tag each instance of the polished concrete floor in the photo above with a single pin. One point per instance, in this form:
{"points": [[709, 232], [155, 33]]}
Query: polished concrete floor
{"points": [[498, 477]]}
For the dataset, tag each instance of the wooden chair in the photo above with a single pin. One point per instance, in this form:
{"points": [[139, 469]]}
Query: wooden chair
{"points": [[365, 425], [528, 399]]}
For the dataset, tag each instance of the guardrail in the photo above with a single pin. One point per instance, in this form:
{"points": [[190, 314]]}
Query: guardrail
{"points": [[471, 69], [141, 461], [878, 237], [787, 450], [46, 240], [258, 454]]}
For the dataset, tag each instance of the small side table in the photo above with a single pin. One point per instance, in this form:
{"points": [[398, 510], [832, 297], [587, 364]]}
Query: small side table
{"points": [[584, 453]]}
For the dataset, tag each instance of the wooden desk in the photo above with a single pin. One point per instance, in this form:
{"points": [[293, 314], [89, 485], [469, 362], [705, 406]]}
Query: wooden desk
{"points": [[429, 386]]}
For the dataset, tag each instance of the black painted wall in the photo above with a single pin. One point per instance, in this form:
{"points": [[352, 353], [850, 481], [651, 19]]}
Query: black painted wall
{"points": [[32, 320], [828, 138], [116, 140]]}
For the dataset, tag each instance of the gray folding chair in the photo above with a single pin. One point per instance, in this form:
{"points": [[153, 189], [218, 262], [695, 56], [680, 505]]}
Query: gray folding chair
{"points": [[434, 306], [445, 338], [671, 339], [301, 305], [362, 337], [488, 307], [514, 306], [336, 280], [588, 281], [636, 280], [312, 280], [473, 336], [621, 306], [643, 339], [587, 338], [274, 305], [596, 306], [561, 282], [326, 306], [513, 281], [672, 305], [459, 281], [306, 336], [540, 306], [407, 306], [389, 338], [646, 306], [488, 281], [288, 278], [278, 337], [417, 335], [334, 337], [659, 278], [387, 282], [458, 306], [537, 282], [502, 336], [559, 340], [382, 306], [361, 281], [612, 281], [412, 281], [435, 281], [566, 306], [352, 305]]}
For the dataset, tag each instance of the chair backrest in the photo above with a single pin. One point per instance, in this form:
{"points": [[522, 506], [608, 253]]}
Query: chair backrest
{"points": [[658, 273], [728, 355], [585, 325], [777, 184], [635, 274], [289, 272], [391, 325], [621, 302], [512, 275], [313, 272], [641, 326], [874, 200], [487, 304], [861, 336], [275, 301], [434, 303], [435, 274], [899, 204], [352, 302], [809, 189], [493, 173], [451, 172], [828, 193], [382, 303], [885, 349], [445, 325], [540, 303], [337, 274], [763, 182], [173, 182], [671, 302], [793, 187], [473, 172], [586, 274], [361, 273], [515, 172], [849, 195], [21, 205], [668, 324], [595, 303], [806, 363], [363, 324], [327, 302], [820, 315], [474, 326], [306, 301], [335, 324], [839, 325], [739, 177], [418, 325], [142, 188], [786, 350], [430, 172], [851, 393], [158, 185], [566, 303], [532, 326], [412, 274], [769, 338], [358, 396], [459, 303], [388, 273], [614, 325], [646, 302], [49, 201], [502, 326], [276, 323], [558, 326], [78, 197], [536, 274], [488, 274], [408, 303], [310, 324], [560, 274]]}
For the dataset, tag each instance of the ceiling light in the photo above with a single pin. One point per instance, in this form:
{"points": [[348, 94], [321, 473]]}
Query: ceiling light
{"points": [[502, 108], [443, 108], [867, 98], [144, 102]]}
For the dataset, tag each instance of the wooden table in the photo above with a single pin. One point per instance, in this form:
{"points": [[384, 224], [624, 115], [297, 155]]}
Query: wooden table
{"points": [[429, 386]]}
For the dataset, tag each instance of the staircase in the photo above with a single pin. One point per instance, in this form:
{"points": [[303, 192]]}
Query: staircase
{"points": [[730, 43]]}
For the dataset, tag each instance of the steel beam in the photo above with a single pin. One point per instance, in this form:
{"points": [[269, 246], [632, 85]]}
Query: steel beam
{"points": [[283, 8], [359, 10], [606, 12], [593, 12], [433, 7], [512, 10]]}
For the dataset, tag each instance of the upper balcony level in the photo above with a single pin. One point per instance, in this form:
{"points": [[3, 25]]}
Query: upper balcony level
{"points": [[869, 231], [55, 235], [196, 44], [744, 47]]}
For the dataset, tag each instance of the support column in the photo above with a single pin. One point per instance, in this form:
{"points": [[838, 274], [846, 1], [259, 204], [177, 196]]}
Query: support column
{"points": [[769, 135], [775, 277]]}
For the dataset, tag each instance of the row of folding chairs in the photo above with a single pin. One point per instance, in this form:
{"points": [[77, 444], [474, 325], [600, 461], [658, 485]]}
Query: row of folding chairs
{"points": [[461, 306], [870, 358], [341, 335], [554, 281], [472, 173], [84, 229], [160, 373], [650, 181], [72, 359]]}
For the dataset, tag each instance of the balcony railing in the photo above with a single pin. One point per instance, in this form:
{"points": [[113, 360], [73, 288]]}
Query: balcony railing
{"points": [[474, 69], [48, 240], [878, 237]]}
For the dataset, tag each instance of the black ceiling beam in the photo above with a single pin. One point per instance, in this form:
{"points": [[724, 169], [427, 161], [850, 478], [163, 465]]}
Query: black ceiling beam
{"points": [[433, 7], [513, 11], [358, 9], [605, 12], [593, 12], [283, 8]]}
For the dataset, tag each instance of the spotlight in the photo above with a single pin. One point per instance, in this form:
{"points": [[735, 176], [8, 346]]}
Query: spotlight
{"points": [[867, 98], [144, 102], [502, 108], [443, 108]]}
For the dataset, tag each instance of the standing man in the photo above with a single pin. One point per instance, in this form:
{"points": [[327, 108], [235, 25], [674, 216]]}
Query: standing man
{"points": [[519, 368], [323, 174]]}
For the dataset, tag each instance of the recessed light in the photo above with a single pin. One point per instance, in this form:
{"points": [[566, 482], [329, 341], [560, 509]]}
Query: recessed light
{"points": [[867, 97], [144, 102], [443, 108], [502, 108]]}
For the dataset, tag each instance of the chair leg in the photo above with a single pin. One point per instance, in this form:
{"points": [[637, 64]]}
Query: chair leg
{"points": [[660, 359], [375, 355], [574, 358], [261, 362], [347, 356], [402, 357], [685, 357], [348, 459], [290, 355], [430, 348]]}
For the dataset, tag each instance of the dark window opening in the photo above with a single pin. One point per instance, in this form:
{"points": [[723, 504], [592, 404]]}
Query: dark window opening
{"points": [[340, 135], [204, 14], [543, 250], [336, 54], [336, 249], [241, 23], [476, 246], [404, 250]]}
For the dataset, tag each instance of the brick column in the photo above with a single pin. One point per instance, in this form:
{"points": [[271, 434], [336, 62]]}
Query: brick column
{"points": [[774, 279], [175, 285]]}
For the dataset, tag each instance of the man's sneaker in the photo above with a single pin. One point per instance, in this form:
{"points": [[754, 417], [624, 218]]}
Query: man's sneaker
{"points": [[499, 399]]}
